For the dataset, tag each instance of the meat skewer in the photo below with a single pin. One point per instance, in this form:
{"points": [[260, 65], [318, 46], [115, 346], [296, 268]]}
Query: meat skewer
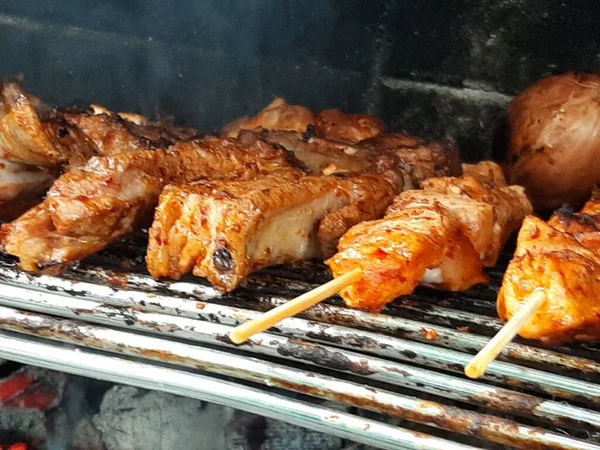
{"points": [[550, 290], [477, 366], [441, 236]]}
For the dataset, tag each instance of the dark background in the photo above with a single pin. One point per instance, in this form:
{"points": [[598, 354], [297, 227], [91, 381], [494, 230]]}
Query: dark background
{"points": [[439, 68]]}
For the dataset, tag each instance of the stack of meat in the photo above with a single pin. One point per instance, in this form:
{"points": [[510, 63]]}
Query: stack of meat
{"points": [[301, 180]]}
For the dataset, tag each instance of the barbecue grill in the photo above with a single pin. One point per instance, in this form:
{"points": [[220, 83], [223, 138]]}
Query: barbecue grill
{"points": [[398, 374], [109, 319]]}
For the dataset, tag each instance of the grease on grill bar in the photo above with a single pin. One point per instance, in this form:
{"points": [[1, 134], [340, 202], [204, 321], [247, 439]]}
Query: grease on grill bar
{"points": [[405, 363]]}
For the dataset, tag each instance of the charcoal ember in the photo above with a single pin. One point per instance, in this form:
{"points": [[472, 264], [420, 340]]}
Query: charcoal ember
{"points": [[86, 436], [132, 418], [252, 432], [32, 388], [23, 425]]}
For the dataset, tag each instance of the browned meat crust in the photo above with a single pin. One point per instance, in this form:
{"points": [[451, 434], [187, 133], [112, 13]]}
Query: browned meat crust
{"points": [[422, 159], [278, 115], [406, 161], [111, 133], [339, 126], [441, 236], [25, 138], [561, 258], [226, 230], [109, 197]]}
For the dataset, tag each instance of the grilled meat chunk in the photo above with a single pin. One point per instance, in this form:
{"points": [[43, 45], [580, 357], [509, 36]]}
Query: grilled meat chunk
{"points": [[18, 178], [226, 230], [119, 133], [326, 157], [26, 138], [396, 156], [111, 195], [486, 172], [509, 204], [338, 126], [330, 124], [278, 115], [561, 258], [421, 159], [21, 186], [441, 236]]}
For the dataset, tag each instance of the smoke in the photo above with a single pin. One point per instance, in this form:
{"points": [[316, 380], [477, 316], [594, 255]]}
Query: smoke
{"points": [[205, 62]]}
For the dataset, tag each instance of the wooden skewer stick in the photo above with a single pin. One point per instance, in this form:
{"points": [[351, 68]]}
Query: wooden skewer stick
{"points": [[295, 306], [492, 349]]}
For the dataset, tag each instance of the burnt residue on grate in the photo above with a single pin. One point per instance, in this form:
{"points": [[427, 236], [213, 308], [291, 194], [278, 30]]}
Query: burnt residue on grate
{"points": [[406, 362]]}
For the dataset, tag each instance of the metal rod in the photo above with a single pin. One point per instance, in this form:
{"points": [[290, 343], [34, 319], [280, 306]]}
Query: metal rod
{"points": [[148, 376], [447, 417], [560, 414], [379, 344], [414, 330]]}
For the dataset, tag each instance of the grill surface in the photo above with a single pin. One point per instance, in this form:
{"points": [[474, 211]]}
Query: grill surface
{"points": [[400, 372]]}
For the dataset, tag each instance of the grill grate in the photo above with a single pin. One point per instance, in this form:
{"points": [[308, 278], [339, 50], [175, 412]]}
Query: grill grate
{"points": [[405, 365]]}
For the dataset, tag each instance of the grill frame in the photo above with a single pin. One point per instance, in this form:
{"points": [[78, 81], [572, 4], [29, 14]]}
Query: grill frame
{"points": [[364, 360]]}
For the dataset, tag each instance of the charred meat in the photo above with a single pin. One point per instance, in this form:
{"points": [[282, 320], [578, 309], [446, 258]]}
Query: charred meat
{"points": [[405, 160], [336, 125], [226, 230], [278, 115]]}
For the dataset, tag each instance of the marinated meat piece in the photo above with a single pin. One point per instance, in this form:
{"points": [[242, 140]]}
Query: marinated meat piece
{"points": [[25, 138], [398, 252], [17, 178], [441, 236], [367, 207], [278, 115], [20, 186], [110, 196], [509, 203], [397, 156], [327, 157], [561, 258], [338, 126], [112, 134], [423, 159], [226, 230], [476, 219], [40, 248], [486, 172]]}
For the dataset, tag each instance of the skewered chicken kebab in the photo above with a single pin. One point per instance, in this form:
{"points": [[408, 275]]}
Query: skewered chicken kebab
{"points": [[560, 260], [441, 236]]}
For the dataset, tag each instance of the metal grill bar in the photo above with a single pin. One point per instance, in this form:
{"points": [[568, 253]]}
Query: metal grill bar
{"points": [[275, 375], [373, 356], [81, 362], [559, 414]]}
